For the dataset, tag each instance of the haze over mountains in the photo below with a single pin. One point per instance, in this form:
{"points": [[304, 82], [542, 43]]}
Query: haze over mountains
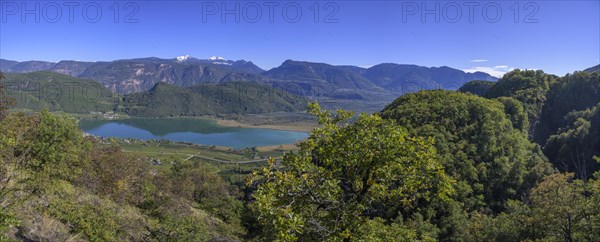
{"points": [[380, 82]]}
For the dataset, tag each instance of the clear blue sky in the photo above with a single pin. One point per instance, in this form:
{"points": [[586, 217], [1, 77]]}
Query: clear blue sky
{"points": [[556, 36]]}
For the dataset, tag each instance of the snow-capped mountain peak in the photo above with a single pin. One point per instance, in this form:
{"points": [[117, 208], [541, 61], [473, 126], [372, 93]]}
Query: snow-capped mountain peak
{"points": [[183, 58], [219, 60], [216, 58]]}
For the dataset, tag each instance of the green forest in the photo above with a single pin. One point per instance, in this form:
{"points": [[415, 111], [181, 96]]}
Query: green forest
{"points": [[41, 90], [512, 160]]}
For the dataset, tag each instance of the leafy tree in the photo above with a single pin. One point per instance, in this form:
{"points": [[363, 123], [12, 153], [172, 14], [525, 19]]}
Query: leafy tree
{"points": [[8, 173], [573, 147], [347, 179], [527, 86], [559, 207], [55, 147], [14, 181], [573, 92], [35, 151], [478, 144], [207, 189], [5, 101], [516, 113], [114, 173], [479, 88]]}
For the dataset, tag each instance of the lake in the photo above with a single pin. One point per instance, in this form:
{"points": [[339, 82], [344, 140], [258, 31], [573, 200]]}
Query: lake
{"points": [[197, 131]]}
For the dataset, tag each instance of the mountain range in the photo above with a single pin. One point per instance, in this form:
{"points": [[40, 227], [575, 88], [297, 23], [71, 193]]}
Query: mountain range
{"points": [[380, 82]]}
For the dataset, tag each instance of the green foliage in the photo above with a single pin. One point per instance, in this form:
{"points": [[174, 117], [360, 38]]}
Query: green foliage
{"points": [[478, 144], [7, 173], [560, 208], [181, 227], [516, 113], [197, 184], [527, 86], [573, 92], [57, 92], [98, 219], [436, 165], [343, 176], [572, 148], [378, 230], [115, 174], [570, 122], [50, 172], [165, 100], [5, 101], [479, 88], [56, 148], [7, 220]]}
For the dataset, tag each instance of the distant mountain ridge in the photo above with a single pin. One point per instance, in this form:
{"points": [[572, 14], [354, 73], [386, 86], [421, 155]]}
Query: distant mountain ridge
{"points": [[593, 69], [403, 78], [380, 82], [320, 79]]}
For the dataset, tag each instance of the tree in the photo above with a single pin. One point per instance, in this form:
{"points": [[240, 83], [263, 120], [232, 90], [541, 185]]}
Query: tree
{"points": [[56, 147], [527, 86], [344, 176], [561, 209], [573, 92], [480, 146], [14, 181], [573, 146], [36, 151], [5, 102], [516, 113], [478, 88], [569, 127], [116, 174]]}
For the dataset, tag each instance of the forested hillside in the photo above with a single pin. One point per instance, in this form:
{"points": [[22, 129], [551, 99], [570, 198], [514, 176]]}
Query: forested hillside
{"points": [[562, 113], [165, 100], [57, 92], [516, 162]]}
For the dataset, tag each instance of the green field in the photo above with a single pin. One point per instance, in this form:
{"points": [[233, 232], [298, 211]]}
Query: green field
{"points": [[233, 165]]}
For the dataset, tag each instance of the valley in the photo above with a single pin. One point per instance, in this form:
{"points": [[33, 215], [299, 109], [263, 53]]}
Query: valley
{"points": [[197, 156], [299, 121]]}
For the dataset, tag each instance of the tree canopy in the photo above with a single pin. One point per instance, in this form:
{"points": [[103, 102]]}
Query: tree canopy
{"points": [[347, 179], [478, 143], [527, 86]]}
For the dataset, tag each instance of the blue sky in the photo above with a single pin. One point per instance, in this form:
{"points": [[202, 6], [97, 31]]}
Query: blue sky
{"points": [[556, 36]]}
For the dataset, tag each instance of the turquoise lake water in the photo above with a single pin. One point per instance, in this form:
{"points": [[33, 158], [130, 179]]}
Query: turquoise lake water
{"points": [[195, 131]]}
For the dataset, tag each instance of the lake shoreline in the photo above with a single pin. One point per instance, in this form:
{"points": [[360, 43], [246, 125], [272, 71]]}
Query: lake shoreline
{"points": [[195, 131], [275, 122], [298, 127]]}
